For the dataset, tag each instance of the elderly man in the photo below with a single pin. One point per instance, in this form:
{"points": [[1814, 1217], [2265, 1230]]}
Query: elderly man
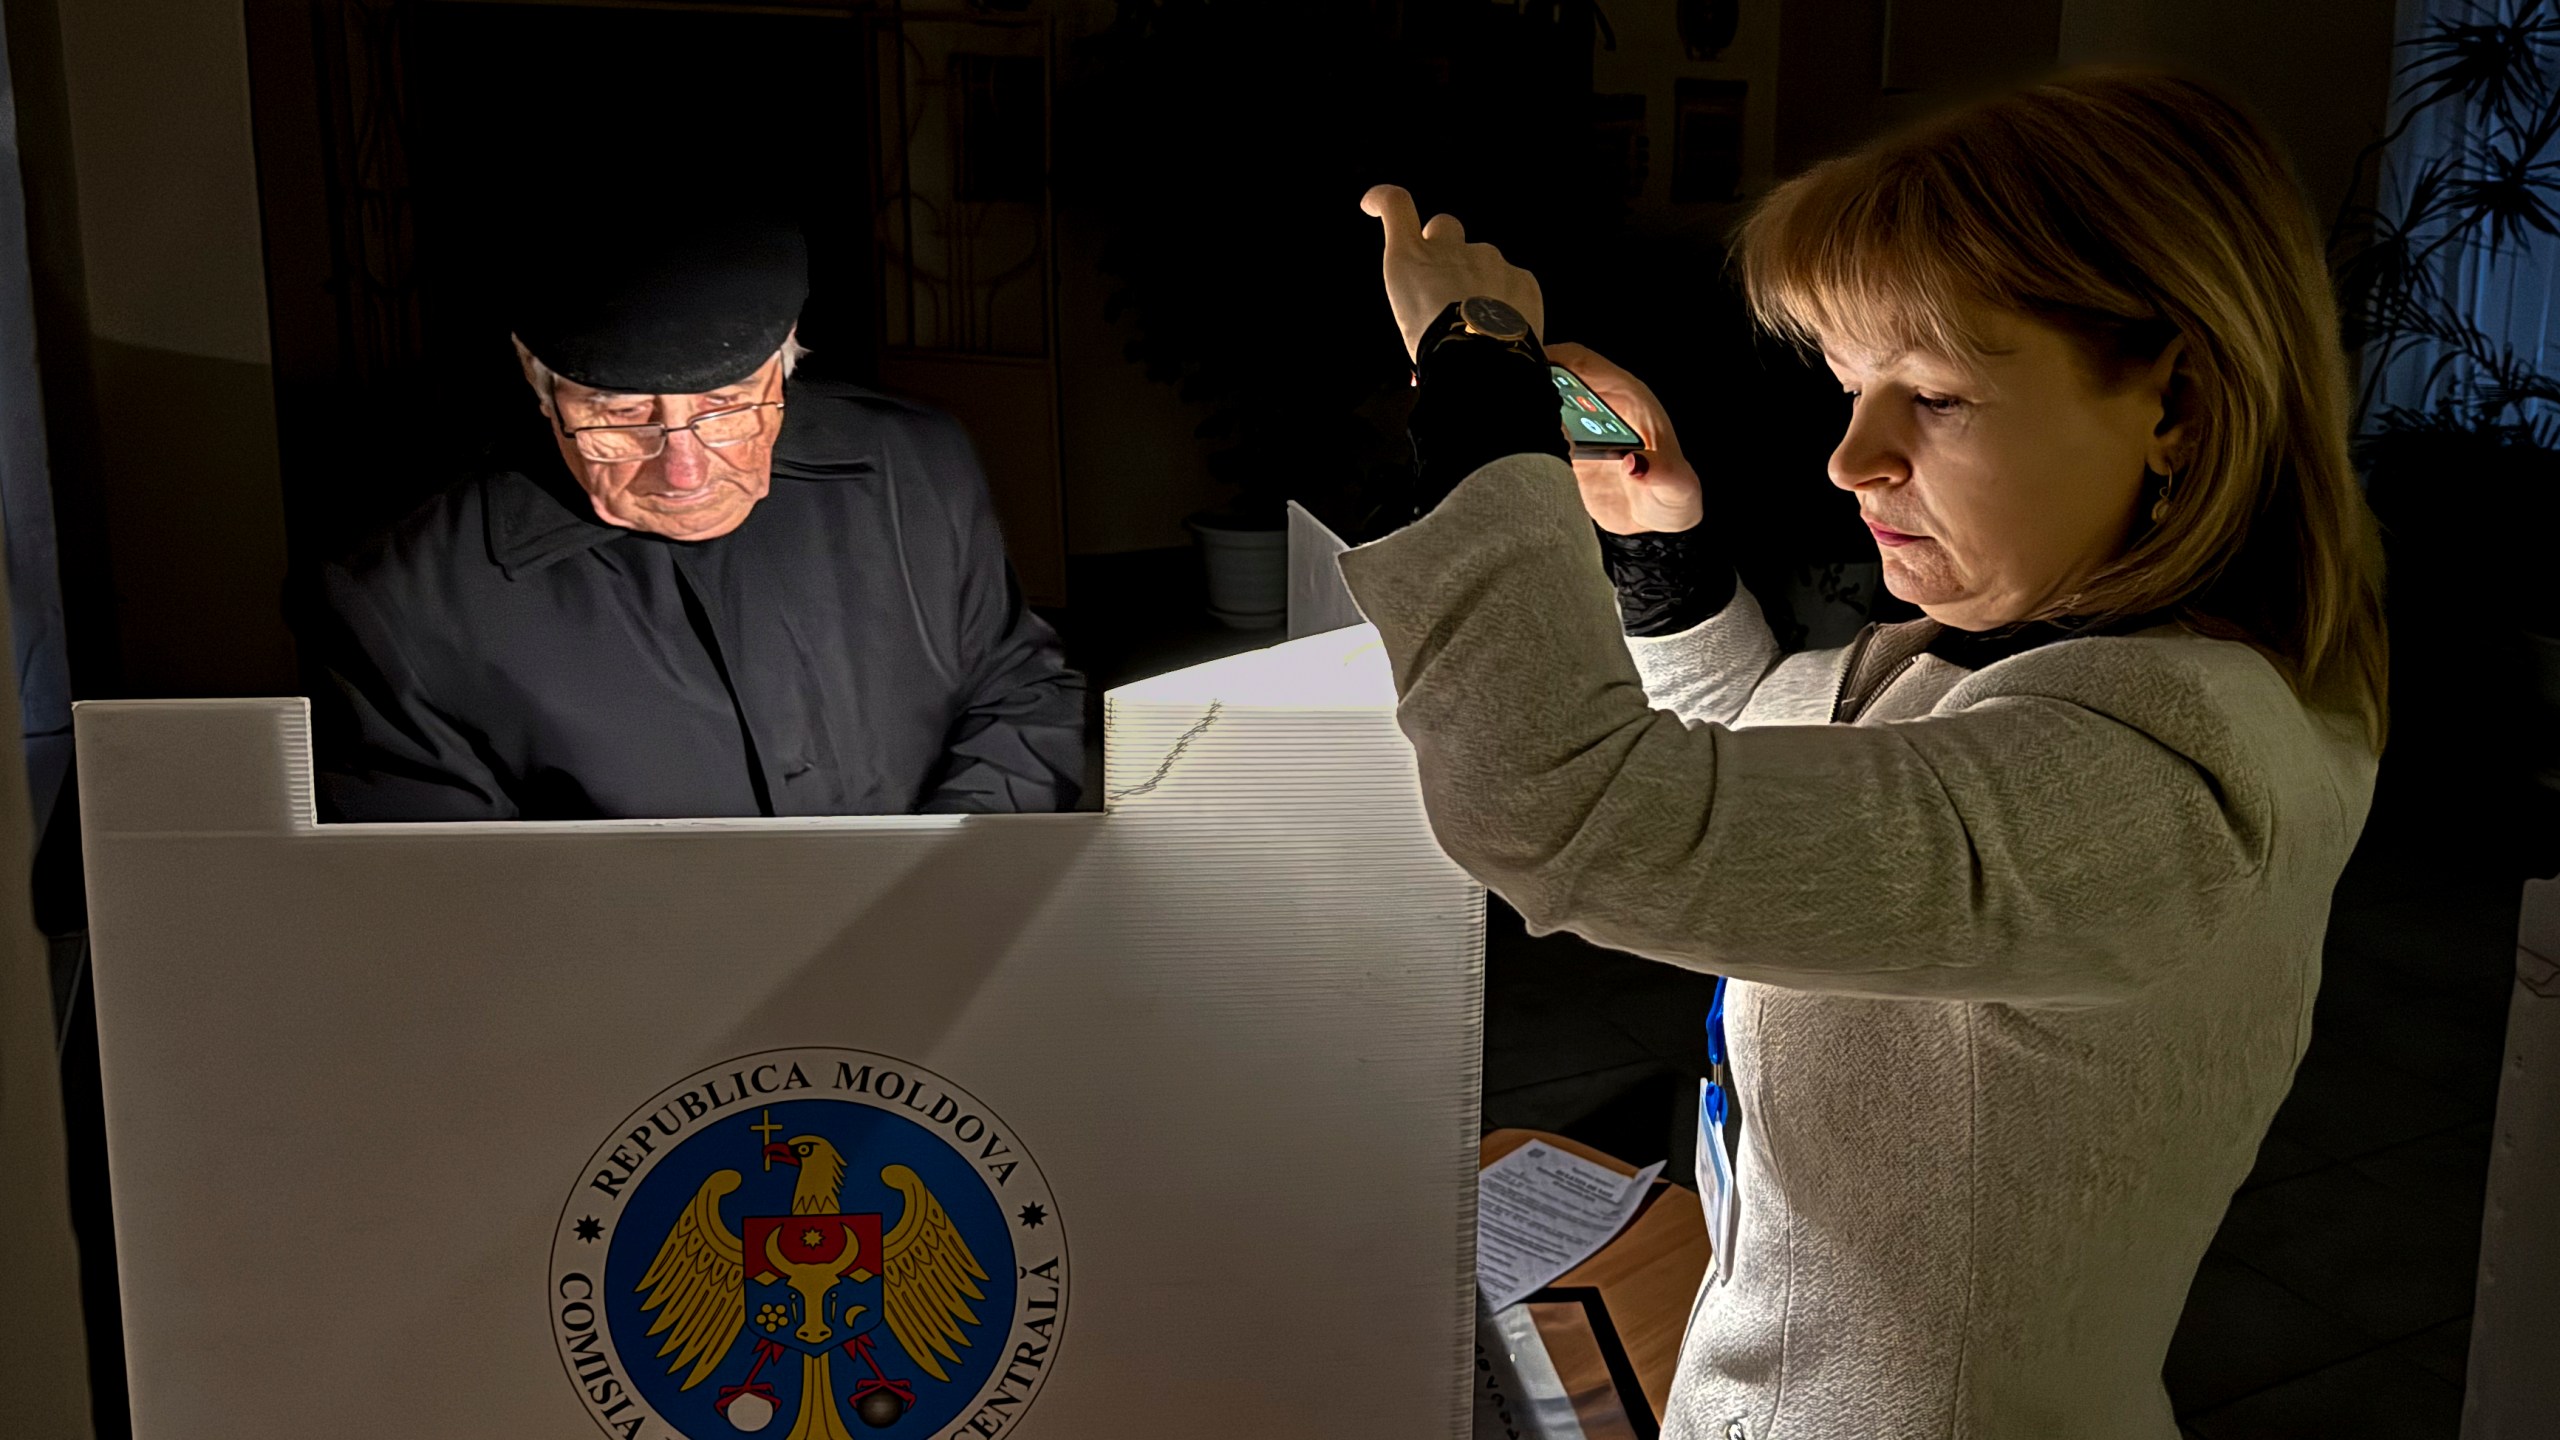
{"points": [[699, 588]]}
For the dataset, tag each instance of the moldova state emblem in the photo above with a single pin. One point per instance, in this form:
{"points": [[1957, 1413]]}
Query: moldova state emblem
{"points": [[828, 1239]]}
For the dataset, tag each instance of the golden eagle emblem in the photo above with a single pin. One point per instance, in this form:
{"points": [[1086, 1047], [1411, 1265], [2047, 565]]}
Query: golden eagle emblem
{"points": [[814, 1281]]}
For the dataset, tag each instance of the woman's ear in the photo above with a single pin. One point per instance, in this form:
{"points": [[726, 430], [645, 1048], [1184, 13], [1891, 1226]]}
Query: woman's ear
{"points": [[2173, 437]]}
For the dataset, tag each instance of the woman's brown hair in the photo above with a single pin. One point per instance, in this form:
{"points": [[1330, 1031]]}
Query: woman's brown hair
{"points": [[2129, 209]]}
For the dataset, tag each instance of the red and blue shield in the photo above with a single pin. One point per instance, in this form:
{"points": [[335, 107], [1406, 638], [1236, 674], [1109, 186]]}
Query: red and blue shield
{"points": [[813, 1281]]}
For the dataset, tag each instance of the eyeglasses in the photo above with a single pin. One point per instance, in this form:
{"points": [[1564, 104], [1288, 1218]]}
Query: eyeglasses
{"points": [[623, 444]]}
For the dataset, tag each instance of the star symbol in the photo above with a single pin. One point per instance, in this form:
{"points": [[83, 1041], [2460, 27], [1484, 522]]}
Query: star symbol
{"points": [[590, 1228], [1033, 1217], [811, 1238]]}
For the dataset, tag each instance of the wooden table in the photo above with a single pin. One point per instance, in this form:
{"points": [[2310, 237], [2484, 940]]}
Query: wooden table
{"points": [[1648, 1276]]}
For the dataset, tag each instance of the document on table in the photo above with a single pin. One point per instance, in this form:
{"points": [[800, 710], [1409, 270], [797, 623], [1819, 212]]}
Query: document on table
{"points": [[1541, 1211]]}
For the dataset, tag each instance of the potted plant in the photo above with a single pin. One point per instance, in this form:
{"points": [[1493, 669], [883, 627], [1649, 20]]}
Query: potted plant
{"points": [[2461, 430]]}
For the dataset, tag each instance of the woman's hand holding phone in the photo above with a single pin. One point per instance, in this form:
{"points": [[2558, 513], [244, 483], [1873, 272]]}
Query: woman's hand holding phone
{"points": [[1648, 490], [1430, 267]]}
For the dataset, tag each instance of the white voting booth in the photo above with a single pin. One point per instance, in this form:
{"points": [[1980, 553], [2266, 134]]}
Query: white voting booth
{"points": [[2512, 1389], [1154, 1122]]}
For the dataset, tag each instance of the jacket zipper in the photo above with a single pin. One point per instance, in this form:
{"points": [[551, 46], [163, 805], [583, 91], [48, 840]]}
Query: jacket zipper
{"points": [[1849, 673], [1873, 693], [1892, 680]]}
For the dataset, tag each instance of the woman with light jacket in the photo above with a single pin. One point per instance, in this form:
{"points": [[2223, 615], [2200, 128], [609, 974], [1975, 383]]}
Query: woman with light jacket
{"points": [[2021, 904]]}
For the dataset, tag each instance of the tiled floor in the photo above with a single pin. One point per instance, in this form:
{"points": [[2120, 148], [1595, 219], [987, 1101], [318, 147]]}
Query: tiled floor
{"points": [[2335, 1300]]}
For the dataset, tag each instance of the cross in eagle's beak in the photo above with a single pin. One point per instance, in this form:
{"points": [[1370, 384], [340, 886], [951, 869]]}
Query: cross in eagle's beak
{"points": [[768, 1130], [777, 1151]]}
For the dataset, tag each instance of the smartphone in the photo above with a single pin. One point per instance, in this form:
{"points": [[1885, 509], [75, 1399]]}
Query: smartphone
{"points": [[1592, 430]]}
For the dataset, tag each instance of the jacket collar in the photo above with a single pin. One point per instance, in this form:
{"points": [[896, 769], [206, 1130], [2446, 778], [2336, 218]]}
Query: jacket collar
{"points": [[1880, 653], [536, 516], [1975, 650]]}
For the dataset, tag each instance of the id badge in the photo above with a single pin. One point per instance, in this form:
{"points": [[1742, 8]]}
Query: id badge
{"points": [[1715, 1178]]}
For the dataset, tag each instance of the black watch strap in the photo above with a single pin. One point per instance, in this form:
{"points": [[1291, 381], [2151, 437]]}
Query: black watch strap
{"points": [[1480, 400]]}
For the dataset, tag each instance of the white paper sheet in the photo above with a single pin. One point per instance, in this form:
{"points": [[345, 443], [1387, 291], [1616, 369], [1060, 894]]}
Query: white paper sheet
{"points": [[1541, 1211]]}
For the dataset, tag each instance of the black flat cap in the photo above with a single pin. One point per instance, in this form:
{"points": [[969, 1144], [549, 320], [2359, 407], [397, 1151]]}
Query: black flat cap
{"points": [[659, 310]]}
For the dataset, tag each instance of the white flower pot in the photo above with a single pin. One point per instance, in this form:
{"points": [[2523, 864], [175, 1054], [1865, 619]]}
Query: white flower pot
{"points": [[1248, 574]]}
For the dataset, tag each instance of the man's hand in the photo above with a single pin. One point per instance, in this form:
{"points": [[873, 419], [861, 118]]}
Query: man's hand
{"points": [[1652, 489], [1432, 267]]}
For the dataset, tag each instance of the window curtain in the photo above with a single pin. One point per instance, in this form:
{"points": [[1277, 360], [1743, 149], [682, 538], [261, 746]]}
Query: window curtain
{"points": [[26, 498], [2500, 280]]}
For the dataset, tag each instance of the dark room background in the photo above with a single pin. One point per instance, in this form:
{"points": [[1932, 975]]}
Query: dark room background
{"points": [[1119, 239], [253, 224]]}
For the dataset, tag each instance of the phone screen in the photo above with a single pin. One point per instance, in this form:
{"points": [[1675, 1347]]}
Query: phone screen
{"points": [[1588, 421]]}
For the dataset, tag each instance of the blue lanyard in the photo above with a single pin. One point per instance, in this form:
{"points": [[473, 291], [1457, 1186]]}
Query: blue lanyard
{"points": [[1719, 1134], [1715, 1092]]}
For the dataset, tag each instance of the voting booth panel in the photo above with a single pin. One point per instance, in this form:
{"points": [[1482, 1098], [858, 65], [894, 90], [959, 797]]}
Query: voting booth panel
{"points": [[1152, 1122], [2512, 1390]]}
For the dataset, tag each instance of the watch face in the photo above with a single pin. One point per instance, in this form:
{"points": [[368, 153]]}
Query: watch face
{"points": [[1490, 317]]}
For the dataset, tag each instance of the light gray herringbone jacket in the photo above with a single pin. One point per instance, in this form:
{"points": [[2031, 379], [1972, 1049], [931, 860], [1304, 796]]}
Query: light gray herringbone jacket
{"points": [[2023, 959]]}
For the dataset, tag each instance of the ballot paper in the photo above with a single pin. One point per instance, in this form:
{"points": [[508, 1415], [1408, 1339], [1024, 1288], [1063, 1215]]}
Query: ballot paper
{"points": [[1541, 1211]]}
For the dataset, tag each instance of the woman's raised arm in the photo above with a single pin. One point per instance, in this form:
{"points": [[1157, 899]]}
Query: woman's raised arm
{"points": [[2081, 820]]}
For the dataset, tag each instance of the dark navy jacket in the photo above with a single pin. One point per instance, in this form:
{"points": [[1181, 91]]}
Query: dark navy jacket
{"points": [[857, 646]]}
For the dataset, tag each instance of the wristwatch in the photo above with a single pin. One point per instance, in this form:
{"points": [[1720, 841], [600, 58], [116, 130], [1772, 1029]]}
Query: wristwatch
{"points": [[1484, 318], [1493, 319]]}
